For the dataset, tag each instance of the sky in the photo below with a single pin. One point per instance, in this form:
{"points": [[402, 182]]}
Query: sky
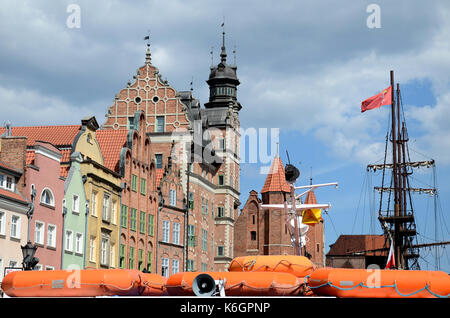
{"points": [[304, 68]]}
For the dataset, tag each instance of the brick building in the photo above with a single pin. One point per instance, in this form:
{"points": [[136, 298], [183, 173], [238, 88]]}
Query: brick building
{"points": [[356, 251], [129, 153], [265, 231], [211, 183]]}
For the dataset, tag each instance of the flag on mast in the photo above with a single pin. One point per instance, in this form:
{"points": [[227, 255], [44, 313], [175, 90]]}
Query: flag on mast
{"points": [[391, 259], [376, 101]]}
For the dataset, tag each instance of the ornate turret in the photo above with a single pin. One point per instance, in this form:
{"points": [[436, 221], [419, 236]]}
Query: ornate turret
{"points": [[223, 83]]}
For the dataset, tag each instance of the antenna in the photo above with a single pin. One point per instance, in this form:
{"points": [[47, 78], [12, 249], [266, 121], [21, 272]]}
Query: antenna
{"points": [[287, 154]]}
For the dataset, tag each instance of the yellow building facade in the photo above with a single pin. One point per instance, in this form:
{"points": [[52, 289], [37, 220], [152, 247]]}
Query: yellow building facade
{"points": [[103, 189]]}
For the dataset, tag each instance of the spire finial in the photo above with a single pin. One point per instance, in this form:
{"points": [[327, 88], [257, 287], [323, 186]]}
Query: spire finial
{"points": [[192, 84], [148, 55], [223, 54]]}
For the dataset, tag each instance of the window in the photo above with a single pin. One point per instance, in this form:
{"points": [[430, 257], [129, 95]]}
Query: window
{"points": [[39, 233], [134, 179], [203, 206], [141, 260], [318, 247], [221, 144], [112, 256], [160, 124], [204, 240], [49, 268], [220, 250], [190, 265], [130, 122], [79, 243], [106, 211], [158, 159], [76, 203], [131, 257], [220, 179], [176, 233], [175, 266], [253, 235], [51, 235], [220, 212], [253, 219], [121, 256], [104, 251], [206, 207], [15, 226], [191, 235], [165, 267], [165, 232], [173, 197], [151, 224], [114, 212], [6, 182], [69, 241], [124, 216], [2, 224], [143, 186], [133, 219], [204, 267], [142, 222], [191, 200], [47, 197], [92, 242], [94, 203]]}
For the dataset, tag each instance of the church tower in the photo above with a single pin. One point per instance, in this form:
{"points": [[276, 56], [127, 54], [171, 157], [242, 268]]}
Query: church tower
{"points": [[221, 118]]}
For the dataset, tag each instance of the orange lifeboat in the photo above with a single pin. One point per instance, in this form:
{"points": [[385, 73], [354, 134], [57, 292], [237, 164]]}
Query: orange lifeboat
{"points": [[362, 283], [76, 283], [236, 283], [154, 285], [299, 266]]}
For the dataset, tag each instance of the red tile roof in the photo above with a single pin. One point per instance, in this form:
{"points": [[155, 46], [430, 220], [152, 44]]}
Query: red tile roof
{"points": [[276, 181], [30, 157], [66, 154], [310, 198], [111, 143], [56, 135], [64, 171], [12, 195]]}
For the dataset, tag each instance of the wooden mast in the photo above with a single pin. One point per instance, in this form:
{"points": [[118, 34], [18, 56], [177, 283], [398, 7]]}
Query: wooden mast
{"points": [[397, 237]]}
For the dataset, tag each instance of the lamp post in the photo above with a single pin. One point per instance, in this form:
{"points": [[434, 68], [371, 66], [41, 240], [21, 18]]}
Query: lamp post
{"points": [[29, 249]]}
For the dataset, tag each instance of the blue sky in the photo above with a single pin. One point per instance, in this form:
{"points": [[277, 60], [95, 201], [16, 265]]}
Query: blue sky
{"points": [[304, 67]]}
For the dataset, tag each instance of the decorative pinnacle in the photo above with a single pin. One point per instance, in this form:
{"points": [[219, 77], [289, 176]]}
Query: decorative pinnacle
{"points": [[148, 55]]}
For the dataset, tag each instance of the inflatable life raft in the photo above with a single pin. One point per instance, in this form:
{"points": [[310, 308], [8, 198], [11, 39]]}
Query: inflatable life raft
{"points": [[82, 283], [298, 266], [235, 284], [364, 283]]}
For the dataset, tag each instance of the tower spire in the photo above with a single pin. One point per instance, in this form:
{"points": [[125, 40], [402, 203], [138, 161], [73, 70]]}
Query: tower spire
{"points": [[223, 54]]}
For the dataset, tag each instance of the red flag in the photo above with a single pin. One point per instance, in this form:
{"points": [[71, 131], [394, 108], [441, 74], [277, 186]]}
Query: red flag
{"points": [[383, 98], [391, 259]]}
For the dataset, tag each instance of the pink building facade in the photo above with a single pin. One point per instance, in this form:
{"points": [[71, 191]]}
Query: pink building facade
{"points": [[46, 230]]}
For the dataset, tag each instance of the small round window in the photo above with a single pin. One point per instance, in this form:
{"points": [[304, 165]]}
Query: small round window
{"points": [[155, 99], [137, 100]]}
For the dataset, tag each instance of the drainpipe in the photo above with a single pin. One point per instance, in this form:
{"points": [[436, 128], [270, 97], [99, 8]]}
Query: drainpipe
{"points": [[64, 212], [186, 220], [86, 215], [160, 207]]}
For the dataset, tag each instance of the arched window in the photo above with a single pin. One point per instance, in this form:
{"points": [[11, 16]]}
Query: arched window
{"points": [[47, 197]]}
